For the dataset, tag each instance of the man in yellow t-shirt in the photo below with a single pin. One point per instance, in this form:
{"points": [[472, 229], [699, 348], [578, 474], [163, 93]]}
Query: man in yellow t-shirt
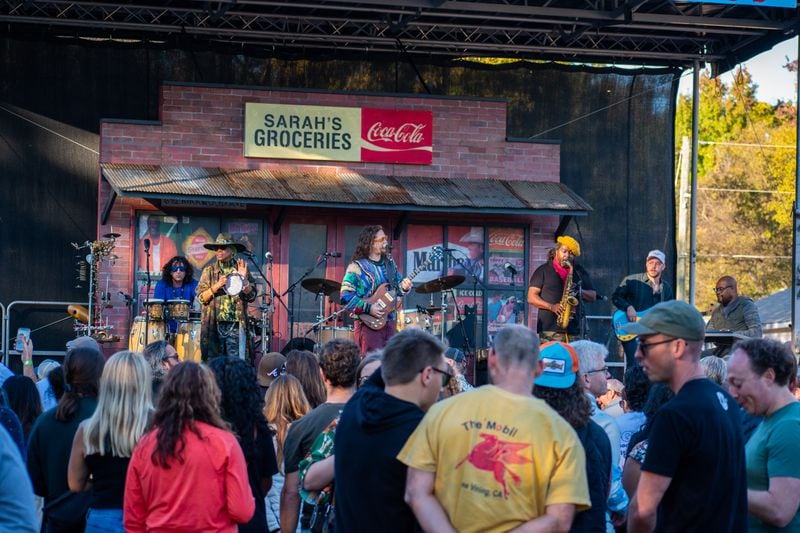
{"points": [[496, 458]]}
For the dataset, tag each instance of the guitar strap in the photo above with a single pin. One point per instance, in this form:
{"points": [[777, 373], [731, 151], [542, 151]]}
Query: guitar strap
{"points": [[391, 272]]}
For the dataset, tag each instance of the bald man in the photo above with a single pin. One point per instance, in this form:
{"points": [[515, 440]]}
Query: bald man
{"points": [[734, 313]]}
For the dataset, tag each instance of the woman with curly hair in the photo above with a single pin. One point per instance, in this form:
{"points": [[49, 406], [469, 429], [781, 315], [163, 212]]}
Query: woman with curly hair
{"points": [[284, 403], [104, 443], [562, 391], [242, 407], [188, 473], [176, 283], [304, 366]]}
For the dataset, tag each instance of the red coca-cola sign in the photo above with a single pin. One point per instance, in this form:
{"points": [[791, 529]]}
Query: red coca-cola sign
{"points": [[396, 136]]}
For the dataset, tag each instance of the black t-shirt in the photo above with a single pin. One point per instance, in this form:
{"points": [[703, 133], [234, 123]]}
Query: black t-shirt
{"points": [[108, 480], [302, 433], [598, 473], [262, 466], [547, 279], [696, 439]]}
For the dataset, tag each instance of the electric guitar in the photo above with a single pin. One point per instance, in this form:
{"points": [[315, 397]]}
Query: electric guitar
{"points": [[620, 319], [386, 298]]}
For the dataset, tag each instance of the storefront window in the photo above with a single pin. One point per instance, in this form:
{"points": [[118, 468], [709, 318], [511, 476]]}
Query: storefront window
{"points": [[307, 244], [507, 257]]}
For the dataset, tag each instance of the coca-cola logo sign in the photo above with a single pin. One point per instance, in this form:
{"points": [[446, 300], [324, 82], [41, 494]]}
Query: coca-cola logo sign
{"points": [[338, 133], [396, 136]]}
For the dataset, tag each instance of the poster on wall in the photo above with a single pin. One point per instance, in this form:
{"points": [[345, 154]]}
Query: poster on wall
{"points": [[506, 256], [466, 255], [420, 243], [502, 309], [156, 242]]}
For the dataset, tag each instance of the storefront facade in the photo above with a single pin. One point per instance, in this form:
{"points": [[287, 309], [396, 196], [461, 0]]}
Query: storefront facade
{"points": [[490, 202]]}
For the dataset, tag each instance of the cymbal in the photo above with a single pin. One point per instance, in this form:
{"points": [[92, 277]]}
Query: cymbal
{"points": [[321, 285], [111, 235], [440, 284], [433, 309]]}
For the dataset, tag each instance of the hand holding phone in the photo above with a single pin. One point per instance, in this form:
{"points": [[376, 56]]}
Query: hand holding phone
{"points": [[22, 332]]}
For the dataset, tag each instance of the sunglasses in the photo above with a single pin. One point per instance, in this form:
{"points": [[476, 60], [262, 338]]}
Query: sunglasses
{"points": [[178, 268], [446, 376]]}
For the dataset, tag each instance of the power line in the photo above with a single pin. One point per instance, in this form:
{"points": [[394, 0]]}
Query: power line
{"points": [[761, 191], [752, 145]]}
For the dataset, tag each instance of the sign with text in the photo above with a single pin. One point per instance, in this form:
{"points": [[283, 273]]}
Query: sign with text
{"points": [[338, 133]]}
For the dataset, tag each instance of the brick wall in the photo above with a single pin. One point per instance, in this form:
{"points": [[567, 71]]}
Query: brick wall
{"points": [[202, 126]]}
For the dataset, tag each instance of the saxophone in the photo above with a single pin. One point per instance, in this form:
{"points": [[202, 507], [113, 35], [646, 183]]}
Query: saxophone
{"points": [[568, 301]]}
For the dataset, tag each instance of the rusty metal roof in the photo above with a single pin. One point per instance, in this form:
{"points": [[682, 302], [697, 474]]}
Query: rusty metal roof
{"points": [[331, 187]]}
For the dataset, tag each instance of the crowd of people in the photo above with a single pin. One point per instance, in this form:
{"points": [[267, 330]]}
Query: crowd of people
{"points": [[385, 433], [142, 442]]}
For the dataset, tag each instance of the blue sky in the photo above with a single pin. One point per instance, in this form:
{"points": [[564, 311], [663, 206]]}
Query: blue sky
{"points": [[774, 81]]}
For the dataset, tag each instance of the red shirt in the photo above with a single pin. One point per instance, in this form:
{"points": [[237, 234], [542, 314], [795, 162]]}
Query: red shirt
{"points": [[209, 491]]}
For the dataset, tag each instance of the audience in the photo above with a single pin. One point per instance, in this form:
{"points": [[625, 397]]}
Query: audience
{"points": [[285, 402], [304, 366], [50, 442], [24, 400], [103, 444], [242, 406], [188, 473]]}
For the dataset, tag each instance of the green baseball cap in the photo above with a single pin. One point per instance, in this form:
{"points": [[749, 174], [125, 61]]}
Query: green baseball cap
{"points": [[674, 318]]}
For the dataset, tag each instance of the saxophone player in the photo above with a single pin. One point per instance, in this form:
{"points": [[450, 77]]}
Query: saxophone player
{"points": [[556, 301]]}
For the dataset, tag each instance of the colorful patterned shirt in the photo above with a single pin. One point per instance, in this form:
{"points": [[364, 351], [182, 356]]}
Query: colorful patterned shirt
{"points": [[361, 279]]}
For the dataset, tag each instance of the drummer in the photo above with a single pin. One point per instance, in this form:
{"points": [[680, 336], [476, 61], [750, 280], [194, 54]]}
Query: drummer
{"points": [[225, 289], [176, 283]]}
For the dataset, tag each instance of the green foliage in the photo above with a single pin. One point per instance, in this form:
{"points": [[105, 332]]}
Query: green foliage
{"points": [[739, 221]]}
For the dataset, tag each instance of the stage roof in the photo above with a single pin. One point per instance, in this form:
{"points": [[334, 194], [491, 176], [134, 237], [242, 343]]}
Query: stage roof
{"points": [[612, 32]]}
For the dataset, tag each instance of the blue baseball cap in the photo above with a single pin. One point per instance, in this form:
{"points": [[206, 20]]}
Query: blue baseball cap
{"points": [[559, 365]]}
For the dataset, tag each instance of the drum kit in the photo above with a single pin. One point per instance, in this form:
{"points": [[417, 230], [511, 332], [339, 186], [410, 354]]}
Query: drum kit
{"points": [[154, 326], [326, 288], [425, 317]]}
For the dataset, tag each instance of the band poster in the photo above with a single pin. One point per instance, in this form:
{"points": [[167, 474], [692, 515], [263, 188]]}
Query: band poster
{"points": [[506, 247]]}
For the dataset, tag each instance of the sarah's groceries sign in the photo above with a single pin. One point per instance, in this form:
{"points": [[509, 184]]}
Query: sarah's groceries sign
{"points": [[338, 133]]}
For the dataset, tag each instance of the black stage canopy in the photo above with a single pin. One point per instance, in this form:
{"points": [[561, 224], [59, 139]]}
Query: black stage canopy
{"points": [[612, 32]]}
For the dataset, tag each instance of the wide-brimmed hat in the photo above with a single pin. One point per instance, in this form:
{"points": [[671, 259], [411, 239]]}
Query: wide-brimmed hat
{"points": [[673, 318], [224, 240], [475, 236]]}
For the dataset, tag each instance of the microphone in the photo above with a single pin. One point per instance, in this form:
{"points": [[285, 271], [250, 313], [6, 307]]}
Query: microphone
{"points": [[147, 245], [510, 268], [333, 254], [268, 256]]}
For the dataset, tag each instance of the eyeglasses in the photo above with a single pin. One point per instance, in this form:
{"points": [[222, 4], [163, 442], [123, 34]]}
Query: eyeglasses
{"points": [[446, 376], [719, 290], [644, 347], [604, 370], [179, 268], [168, 357]]}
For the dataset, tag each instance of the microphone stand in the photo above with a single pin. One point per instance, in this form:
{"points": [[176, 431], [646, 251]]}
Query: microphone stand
{"points": [[475, 282], [147, 297], [322, 259], [267, 310]]}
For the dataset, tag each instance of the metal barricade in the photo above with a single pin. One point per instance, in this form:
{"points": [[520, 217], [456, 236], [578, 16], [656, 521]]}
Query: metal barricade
{"points": [[5, 334]]}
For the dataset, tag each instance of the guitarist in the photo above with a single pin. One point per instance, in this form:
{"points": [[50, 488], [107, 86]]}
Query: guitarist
{"points": [[639, 292], [369, 269]]}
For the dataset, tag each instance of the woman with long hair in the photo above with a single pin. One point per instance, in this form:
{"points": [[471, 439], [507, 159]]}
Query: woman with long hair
{"points": [[24, 400], [50, 442], [177, 283], [242, 407], [304, 366], [284, 403], [188, 472], [103, 444]]}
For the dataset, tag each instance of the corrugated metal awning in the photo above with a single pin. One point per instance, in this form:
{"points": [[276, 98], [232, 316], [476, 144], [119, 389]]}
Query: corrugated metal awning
{"points": [[331, 187]]}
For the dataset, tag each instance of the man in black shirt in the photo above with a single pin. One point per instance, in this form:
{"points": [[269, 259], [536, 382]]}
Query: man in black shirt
{"points": [[374, 426], [693, 476], [639, 292], [546, 289]]}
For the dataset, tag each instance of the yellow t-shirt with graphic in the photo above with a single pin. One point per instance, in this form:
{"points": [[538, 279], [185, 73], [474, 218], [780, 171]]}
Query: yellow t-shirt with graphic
{"points": [[499, 458]]}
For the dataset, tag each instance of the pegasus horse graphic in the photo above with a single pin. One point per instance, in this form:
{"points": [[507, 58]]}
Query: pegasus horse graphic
{"points": [[493, 455]]}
